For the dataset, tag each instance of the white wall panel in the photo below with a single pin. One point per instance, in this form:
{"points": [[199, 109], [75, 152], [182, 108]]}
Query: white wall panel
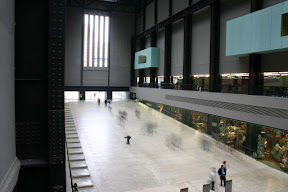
{"points": [[177, 48], [200, 42]]}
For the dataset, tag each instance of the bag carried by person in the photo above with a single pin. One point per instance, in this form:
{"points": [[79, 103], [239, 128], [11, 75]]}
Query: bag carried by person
{"points": [[219, 171]]}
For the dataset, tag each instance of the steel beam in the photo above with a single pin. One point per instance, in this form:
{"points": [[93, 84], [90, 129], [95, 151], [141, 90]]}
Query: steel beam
{"points": [[56, 53], [256, 77], [191, 9], [214, 79]]}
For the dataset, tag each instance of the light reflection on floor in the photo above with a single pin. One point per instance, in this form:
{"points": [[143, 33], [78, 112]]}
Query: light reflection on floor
{"points": [[149, 164]]}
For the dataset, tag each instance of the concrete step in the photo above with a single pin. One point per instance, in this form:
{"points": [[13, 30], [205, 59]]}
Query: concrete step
{"points": [[75, 151], [83, 182], [73, 145], [69, 125], [73, 140], [70, 129], [70, 132], [76, 157], [82, 172], [78, 164], [72, 136], [86, 189]]}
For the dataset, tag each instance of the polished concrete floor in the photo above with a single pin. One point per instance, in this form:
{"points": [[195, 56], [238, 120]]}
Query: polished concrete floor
{"points": [[170, 158]]}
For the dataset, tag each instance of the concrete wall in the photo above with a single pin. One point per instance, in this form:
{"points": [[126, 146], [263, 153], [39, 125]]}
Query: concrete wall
{"points": [[231, 10], [163, 10], [179, 5], [268, 3], [121, 30], [73, 50], [9, 164], [158, 96], [200, 55], [200, 42], [149, 15], [177, 48]]}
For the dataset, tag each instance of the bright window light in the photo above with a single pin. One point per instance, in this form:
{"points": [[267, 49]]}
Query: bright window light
{"points": [[96, 41]]}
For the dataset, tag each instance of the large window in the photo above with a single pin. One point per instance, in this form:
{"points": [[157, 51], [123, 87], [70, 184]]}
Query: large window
{"points": [[96, 41]]}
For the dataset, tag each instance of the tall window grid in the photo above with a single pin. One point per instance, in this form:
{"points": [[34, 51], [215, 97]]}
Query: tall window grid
{"points": [[96, 41]]}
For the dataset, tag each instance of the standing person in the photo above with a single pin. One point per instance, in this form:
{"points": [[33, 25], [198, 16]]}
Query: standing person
{"points": [[98, 101], [128, 138], [109, 105], [225, 166], [222, 174], [213, 178], [105, 102]]}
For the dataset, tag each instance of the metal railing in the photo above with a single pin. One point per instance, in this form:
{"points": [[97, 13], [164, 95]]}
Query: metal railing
{"points": [[275, 91]]}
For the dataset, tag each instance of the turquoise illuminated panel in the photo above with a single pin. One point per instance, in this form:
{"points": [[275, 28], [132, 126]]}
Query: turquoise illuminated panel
{"points": [[147, 58], [258, 32]]}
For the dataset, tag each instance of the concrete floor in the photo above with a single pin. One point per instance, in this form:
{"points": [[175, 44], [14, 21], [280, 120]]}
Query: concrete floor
{"points": [[150, 163]]}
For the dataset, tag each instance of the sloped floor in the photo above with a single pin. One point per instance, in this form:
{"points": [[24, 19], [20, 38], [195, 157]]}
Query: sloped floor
{"points": [[170, 158]]}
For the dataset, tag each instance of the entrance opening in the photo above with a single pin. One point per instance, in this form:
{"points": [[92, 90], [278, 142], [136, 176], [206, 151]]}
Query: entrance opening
{"points": [[94, 95], [120, 95], [71, 95]]}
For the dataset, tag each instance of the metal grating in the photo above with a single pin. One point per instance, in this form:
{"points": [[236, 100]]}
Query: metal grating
{"points": [[266, 111]]}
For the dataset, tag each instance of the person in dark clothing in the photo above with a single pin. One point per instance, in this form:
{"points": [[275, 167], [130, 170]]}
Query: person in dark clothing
{"points": [[222, 174], [105, 102], [128, 138]]}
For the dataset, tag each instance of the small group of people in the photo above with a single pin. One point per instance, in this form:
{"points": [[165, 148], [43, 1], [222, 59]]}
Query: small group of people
{"points": [[222, 171]]}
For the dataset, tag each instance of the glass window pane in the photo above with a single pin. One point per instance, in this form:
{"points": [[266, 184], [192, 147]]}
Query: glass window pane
{"points": [[101, 41], [85, 40], [96, 35], [91, 41], [106, 41]]}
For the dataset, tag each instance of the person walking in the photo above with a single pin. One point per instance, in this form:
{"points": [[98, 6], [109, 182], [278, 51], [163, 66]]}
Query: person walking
{"points": [[105, 102], [213, 178], [98, 101], [222, 174], [128, 139]]}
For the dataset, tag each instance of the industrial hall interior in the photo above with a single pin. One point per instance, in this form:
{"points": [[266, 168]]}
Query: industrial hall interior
{"points": [[144, 95]]}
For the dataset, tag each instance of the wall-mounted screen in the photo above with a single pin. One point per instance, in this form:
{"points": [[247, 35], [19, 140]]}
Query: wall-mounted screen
{"points": [[142, 59], [284, 27]]}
